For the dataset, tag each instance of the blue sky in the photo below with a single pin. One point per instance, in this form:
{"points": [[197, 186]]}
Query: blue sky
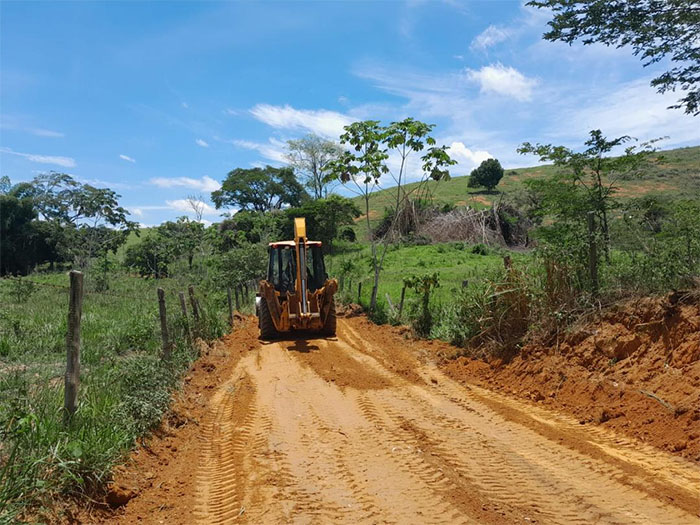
{"points": [[160, 100]]}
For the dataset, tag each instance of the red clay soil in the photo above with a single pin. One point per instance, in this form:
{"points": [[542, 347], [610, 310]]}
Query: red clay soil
{"points": [[365, 427], [636, 371], [151, 470]]}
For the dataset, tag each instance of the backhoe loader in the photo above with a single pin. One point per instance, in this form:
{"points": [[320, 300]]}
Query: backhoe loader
{"points": [[297, 294]]}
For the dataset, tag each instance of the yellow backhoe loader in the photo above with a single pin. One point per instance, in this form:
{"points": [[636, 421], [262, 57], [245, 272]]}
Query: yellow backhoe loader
{"points": [[297, 294]]}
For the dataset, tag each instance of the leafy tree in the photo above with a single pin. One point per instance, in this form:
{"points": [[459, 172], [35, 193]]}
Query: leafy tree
{"points": [[593, 172], [5, 185], [653, 28], [488, 174], [71, 221], [260, 189], [184, 235], [18, 237], [246, 227], [242, 263], [309, 156], [325, 219], [150, 257], [365, 162]]}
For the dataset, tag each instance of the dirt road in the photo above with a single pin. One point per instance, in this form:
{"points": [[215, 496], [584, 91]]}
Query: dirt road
{"points": [[360, 429]]}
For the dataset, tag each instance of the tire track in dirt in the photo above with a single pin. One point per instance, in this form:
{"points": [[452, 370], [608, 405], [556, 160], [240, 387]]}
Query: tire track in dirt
{"points": [[357, 430], [504, 464]]}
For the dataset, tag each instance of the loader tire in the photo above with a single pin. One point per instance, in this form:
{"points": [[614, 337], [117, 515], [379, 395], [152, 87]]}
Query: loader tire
{"points": [[267, 327], [331, 321]]}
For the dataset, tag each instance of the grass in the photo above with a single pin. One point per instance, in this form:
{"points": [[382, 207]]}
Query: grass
{"points": [[454, 263], [125, 385], [677, 174]]}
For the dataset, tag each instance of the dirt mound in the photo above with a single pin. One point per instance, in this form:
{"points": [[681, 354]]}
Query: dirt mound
{"points": [[635, 370]]}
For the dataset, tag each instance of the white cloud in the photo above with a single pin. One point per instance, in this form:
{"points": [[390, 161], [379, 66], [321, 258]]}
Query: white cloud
{"points": [[230, 112], [467, 157], [491, 36], [635, 109], [185, 206], [200, 142], [272, 150], [126, 158], [322, 122], [14, 123], [46, 133], [185, 105], [66, 162], [204, 184], [502, 80]]}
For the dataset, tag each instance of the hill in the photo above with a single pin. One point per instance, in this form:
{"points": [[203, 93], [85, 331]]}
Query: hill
{"points": [[675, 173]]}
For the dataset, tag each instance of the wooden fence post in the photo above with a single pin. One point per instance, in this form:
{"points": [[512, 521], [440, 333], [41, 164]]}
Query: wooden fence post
{"points": [[507, 263], [75, 311], [403, 295], [341, 283], [193, 304], [183, 307], [359, 291], [230, 306], [163, 324], [592, 252], [238, 299]]}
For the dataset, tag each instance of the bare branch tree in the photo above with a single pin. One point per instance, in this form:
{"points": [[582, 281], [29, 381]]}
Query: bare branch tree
{"points": [[309, 156], [196, 202]]}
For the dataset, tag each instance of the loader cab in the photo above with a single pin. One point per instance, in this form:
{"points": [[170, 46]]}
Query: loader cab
{"points": [[282, 269]]}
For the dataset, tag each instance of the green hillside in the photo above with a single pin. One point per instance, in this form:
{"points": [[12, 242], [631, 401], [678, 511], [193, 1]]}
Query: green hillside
{"points": [[676, 173]]}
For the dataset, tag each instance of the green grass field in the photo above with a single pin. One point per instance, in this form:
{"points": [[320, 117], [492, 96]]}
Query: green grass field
{"points": [[454, 263]]}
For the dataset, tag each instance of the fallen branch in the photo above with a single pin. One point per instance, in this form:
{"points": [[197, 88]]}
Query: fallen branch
{"points": [[657, 398]]}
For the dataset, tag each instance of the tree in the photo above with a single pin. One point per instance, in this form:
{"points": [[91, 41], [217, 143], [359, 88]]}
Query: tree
{"points": [[18, 237], [592, 173], [259, 189], [150, 257], [196, 203], [185, 236], [72, 221], [488, 174], [365, 162], [653, 28], [309, 156], [246, 227], [326, 218]]}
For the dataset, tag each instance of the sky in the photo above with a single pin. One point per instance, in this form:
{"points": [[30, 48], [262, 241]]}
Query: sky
{"points": [[160, 100]]}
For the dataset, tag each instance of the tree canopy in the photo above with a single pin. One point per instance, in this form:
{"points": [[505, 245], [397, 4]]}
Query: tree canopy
{"points": [[488, 174], [326, 219], [55, 218], [588, 179], [653, 28], [259, 189]]}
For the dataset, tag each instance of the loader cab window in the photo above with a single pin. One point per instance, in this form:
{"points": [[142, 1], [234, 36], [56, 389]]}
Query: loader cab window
{"points": [[282, 269], [316, 270]]}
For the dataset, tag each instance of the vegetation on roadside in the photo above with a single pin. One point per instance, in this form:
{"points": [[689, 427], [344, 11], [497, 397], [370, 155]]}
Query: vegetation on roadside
{"points": [[125, 384]]}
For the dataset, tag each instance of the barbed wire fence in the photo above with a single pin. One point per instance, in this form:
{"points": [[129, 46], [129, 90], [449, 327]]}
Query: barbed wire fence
{"points": [[192, 321]]}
